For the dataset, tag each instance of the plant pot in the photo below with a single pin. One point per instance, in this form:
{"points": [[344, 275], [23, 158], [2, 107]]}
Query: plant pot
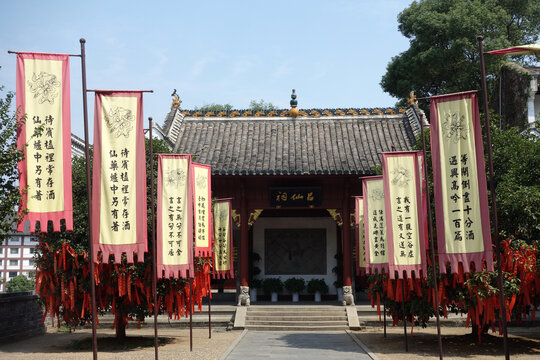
{"points": [[317, 296], [340, 294], [274, 297], [295, 297], [253, 295]]}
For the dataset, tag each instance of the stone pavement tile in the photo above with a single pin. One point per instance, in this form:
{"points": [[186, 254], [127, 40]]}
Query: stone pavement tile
{"points": [[297, 345]]}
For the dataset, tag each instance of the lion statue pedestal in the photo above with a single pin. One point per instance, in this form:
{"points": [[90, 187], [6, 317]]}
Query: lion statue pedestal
{"points": [[348, 297], [243, 298]]}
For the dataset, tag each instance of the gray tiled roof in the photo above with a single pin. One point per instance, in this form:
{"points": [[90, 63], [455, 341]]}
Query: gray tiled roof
{"points": [[286, 146]]}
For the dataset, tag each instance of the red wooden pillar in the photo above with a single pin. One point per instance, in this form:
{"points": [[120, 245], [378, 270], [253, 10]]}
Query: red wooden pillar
{"points": [[244, 236], [346, 231]]}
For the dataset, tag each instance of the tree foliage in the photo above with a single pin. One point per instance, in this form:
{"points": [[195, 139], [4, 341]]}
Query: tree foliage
{"points": [[214, 107], [443, 53], [10, 155], [516, 160], [261, 105], [19, 283]]}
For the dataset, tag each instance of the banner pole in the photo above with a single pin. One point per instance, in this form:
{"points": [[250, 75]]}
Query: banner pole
{"points": [[404, 316], [384, 323], [502, 320], [190, 316], [210, 313], [154, 245], [89, 197], [430, 234]]}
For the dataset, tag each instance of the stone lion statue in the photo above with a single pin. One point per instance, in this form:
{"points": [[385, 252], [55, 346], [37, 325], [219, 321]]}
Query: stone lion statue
{"points": [[243, 298], [348, 298]]}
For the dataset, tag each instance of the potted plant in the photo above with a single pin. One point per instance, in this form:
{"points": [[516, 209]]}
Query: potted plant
{"points": [[295, 286], [253, 286], [317, 287], [272, 286]]}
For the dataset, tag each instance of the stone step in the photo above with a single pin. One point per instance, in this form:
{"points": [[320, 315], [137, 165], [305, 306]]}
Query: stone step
{"points": [[292, 322], [297, 313], [297, 328], [294, 317]]}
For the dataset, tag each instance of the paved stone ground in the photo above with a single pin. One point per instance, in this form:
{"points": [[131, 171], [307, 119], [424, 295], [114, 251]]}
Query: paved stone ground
{"points": [[297, 345]]}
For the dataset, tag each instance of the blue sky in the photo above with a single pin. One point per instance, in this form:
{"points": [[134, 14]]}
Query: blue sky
{"points": [[333, 53]]}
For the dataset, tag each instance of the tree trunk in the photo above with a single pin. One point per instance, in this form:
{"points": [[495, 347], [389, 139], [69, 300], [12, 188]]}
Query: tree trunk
{"points": [[120, 329]]}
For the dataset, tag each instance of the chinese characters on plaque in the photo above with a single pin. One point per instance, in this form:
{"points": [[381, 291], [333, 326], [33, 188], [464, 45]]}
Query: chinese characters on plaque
{"points": [[43, 95], [463, 229]]}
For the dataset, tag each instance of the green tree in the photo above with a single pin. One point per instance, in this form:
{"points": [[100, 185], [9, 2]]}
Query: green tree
{"points": [[516, 160], [214, 107], [10, 155], [261, 105], [443, 53], [19, 283]]}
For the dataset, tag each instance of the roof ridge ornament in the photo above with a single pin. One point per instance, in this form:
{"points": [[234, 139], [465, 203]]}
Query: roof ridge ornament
{"points": [[293, 112], [176, 102]]}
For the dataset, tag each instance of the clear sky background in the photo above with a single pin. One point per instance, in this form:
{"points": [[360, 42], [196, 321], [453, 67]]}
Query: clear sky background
{"points": [[333, 53]]}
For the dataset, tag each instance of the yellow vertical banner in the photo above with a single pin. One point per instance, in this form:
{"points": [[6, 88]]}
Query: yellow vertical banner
{"points": [[43, 95], [223, 234], [119, 176], [403, 208], [375, 224], [202, 202], [174, 217], [463, 229], [360, 235]]}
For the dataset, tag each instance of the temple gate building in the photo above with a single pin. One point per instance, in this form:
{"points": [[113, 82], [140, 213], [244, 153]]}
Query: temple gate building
{"points": [[292, 175]]}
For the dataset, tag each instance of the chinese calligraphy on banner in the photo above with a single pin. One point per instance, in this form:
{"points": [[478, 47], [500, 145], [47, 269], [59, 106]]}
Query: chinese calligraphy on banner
{"points": [[375, 224], [202, 201], [119, 176], [174, 217], [461, 206], [360, 236], [43, 95], [403, 208], [223, 232]]}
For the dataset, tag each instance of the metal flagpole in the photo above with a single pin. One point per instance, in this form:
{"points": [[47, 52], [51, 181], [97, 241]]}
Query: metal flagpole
{"points": [[210, 313], [430, 230], [404, 317], [154, 245], [384, 323], [190, 316], [502, 319], [89, 197]]}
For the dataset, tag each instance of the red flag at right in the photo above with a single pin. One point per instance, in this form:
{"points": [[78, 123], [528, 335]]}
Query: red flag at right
{"points": [[459, 179]]}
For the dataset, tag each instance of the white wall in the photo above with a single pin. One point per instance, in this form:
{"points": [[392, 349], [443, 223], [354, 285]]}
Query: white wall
{"points": [[299, 223]]}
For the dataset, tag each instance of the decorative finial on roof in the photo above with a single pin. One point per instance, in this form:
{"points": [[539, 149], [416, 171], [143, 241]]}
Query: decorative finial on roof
{"points": [[412, 98], [293, 112], [176, 102]]}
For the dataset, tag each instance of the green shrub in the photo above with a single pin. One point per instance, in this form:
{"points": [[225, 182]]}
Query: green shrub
{"points": [[271, 285], [295, 285], [315, 285]]}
